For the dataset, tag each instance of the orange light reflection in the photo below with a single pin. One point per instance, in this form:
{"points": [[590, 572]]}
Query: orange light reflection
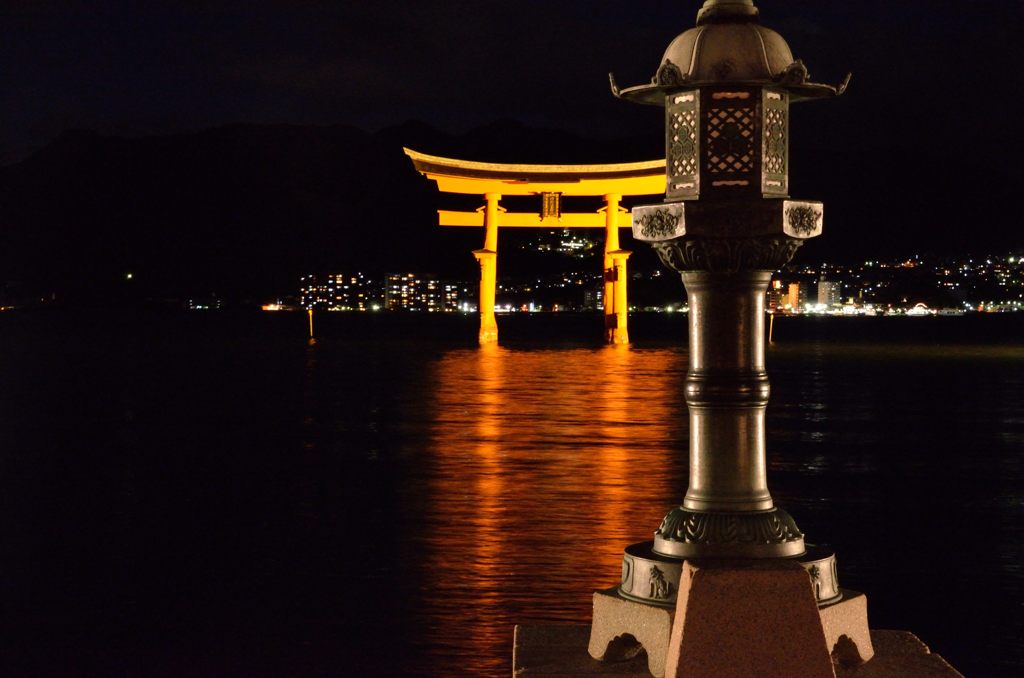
{"points": [[546, 464]]}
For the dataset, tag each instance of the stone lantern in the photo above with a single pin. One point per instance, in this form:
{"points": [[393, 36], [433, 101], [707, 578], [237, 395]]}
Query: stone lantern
{"points": [[726, 224]]}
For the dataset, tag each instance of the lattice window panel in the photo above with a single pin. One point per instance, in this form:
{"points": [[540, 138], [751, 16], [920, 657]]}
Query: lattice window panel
{"points": [[775, 141], [683, 143], [731, 134]]}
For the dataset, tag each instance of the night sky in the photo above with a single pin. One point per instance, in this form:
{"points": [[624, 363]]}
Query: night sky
{"points": [[925, 73], [262, 136]]}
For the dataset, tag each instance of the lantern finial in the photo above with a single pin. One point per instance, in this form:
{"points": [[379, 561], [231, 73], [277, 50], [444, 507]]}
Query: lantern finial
{"points": [[727, 11]]}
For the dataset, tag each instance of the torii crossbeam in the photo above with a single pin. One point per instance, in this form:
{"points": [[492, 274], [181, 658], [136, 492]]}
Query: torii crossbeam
{"points": [[549, 182]]}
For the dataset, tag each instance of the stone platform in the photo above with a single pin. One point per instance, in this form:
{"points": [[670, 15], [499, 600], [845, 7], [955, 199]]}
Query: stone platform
{"points": [[561, 650]]}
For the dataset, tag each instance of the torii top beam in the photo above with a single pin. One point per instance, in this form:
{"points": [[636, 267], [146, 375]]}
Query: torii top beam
{"points": [[479, 178]]}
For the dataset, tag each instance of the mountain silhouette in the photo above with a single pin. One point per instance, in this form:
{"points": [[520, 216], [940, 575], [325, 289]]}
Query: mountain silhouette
{"points": [[242, 211]]}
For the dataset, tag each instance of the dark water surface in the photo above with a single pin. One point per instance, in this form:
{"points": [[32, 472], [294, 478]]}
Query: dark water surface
{"points": [[193, 494]]}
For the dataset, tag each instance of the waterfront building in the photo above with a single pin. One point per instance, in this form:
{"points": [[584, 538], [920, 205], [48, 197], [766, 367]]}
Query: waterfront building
{"points": [[340, 292], [413, 292], [458, 297], [796, 297], [829, 293], [777, 296], [593, 296]]}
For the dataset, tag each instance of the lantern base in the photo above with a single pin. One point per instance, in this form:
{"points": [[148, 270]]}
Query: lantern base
{"points": [[751, 534], [653, 579]]}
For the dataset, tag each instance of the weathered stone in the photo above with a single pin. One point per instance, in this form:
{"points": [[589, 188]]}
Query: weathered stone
{"points": [[560, 651], [747, 619], [900, 654], [846, 629], [622, 628]]}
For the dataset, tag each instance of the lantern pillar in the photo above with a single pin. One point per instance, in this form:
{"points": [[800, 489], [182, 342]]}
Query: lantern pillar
{"points": [[727, 391], [727, 511]]}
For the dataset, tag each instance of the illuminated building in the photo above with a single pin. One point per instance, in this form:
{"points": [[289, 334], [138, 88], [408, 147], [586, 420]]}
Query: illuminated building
{"points": [[340, 292], [796, 297], [829, 293], [411, 292], [457, 297], [777, 295]]}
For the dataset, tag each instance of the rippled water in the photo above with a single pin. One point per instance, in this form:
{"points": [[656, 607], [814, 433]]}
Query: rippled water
{"points": [[545, 464], [213, 495]]}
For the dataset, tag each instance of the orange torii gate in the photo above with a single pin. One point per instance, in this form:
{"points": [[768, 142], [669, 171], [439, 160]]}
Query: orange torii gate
{"points": [[550, 182]]}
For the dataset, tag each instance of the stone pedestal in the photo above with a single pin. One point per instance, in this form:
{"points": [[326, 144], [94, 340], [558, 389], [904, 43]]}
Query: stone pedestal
{"points": [[560, 651], [738, 620], [846, 629], [742, 614], [623, 629]]}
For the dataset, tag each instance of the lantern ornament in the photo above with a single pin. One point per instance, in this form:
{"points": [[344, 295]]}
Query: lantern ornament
{"points": [[726, 224]]}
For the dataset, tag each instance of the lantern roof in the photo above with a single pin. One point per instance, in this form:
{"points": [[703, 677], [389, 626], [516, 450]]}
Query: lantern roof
{"points": [[728, 47]]}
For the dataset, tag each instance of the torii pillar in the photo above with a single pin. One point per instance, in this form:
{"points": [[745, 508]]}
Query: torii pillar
{"points": [[488, 258], [616, 304]]}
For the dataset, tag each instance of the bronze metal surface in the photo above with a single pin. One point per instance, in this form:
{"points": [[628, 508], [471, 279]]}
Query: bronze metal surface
{"points": [[653, 578], [727, 391], [752, 534], [725, 226], [728, 46]]}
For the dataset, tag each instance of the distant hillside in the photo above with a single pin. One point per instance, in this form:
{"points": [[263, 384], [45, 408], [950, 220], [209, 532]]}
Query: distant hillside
{"points": [[243, 210]]}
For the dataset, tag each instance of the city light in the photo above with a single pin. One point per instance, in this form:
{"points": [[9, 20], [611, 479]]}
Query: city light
{"points": [[947, 286]]}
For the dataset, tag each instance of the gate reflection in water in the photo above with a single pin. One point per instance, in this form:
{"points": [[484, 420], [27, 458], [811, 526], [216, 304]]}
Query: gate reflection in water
{"points": [[544, 464]]}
